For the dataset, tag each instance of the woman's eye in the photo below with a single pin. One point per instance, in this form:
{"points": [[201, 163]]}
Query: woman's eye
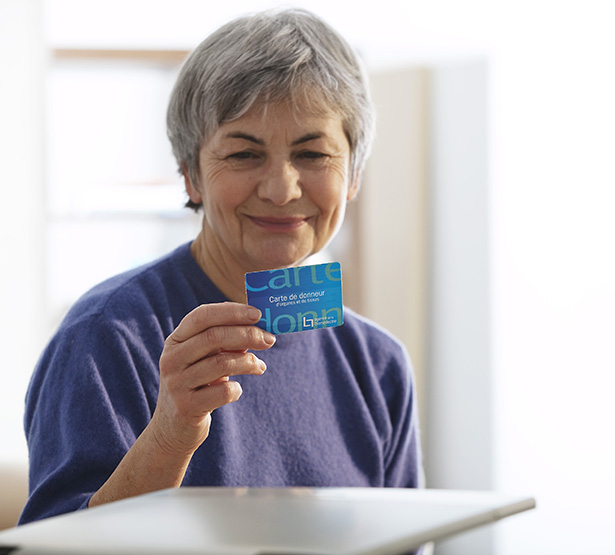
{"points": [[312, 155], [243, 155]]}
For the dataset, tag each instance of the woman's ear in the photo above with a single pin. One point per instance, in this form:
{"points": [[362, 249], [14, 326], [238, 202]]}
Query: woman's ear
{"points": [[353, 188], [193, 193]]}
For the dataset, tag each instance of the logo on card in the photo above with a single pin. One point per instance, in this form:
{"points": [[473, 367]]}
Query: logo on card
{"points": [[297, 299]]}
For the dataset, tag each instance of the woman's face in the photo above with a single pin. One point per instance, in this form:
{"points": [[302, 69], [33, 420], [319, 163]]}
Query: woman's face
{"points": [[274, 186]]}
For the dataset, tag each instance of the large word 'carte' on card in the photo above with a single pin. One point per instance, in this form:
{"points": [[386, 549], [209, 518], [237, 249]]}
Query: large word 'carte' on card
{"points": [[297, 299]]}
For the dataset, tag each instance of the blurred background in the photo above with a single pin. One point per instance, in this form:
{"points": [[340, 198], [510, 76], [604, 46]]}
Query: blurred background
{"points": [[483, 236]]}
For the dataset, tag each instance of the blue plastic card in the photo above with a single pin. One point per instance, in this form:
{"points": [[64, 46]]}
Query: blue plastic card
{"points": [[297, 299]]}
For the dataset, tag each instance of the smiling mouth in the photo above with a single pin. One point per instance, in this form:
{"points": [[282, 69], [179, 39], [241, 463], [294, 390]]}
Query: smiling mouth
{"points": [[278, 224]]}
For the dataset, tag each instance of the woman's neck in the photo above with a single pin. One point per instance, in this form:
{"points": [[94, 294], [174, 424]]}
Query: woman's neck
{"points": [[227, 277]]}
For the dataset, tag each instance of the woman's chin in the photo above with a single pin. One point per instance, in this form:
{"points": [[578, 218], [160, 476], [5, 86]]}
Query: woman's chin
{"points": [[271, 258]]}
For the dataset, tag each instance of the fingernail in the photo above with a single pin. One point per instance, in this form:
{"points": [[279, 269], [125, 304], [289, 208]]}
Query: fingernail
{"points": [[269, 338], [254, 313]]}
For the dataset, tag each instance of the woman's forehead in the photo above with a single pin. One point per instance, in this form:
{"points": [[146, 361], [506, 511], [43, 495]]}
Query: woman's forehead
{"points": [[284, 116]]}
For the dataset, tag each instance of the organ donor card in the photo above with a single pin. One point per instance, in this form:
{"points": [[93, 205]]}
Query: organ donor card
{"points": [[297, 299]]}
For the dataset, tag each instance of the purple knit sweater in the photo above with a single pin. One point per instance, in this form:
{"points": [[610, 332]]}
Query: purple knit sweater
{"points": [[336, 407]]}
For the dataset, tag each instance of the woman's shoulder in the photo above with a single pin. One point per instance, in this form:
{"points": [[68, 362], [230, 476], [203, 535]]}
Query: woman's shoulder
{"points": [[366, 342], [370, 350], [164, 284], [357, 326]]}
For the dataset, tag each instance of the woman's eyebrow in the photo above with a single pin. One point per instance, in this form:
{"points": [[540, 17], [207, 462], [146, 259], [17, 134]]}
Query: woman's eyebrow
{"points": [[306, 138], [246, 137]]}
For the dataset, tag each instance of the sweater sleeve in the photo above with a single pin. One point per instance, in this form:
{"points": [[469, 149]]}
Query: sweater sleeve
{"points": [[383, 370], [87, 403], [403, 460]]}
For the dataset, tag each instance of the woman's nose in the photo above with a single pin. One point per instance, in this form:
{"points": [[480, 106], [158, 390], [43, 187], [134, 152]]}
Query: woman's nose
{"points": [[281, 183]]}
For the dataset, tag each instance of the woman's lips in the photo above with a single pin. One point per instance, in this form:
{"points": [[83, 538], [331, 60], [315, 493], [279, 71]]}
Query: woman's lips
{"points": [[276, 224]]}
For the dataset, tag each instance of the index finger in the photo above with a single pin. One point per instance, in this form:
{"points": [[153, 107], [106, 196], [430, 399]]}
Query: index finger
{"points": [[215, 314]]}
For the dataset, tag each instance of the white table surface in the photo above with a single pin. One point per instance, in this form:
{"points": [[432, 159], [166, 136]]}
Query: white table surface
{"points": [[265, 521]]}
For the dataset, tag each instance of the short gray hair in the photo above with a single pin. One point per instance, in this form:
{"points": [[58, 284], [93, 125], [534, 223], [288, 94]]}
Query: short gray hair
{"points": [[269, 57]]}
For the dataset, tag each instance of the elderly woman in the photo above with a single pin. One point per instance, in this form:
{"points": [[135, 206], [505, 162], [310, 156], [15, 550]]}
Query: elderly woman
{"points": [[271, 123]]}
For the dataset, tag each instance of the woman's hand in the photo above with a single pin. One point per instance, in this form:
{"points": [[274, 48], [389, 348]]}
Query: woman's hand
{"points": [[209, 346]]}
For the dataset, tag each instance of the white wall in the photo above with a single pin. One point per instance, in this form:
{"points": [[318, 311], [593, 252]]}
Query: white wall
{"points": [[554, 273], [460, 445], [21, 212]]}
